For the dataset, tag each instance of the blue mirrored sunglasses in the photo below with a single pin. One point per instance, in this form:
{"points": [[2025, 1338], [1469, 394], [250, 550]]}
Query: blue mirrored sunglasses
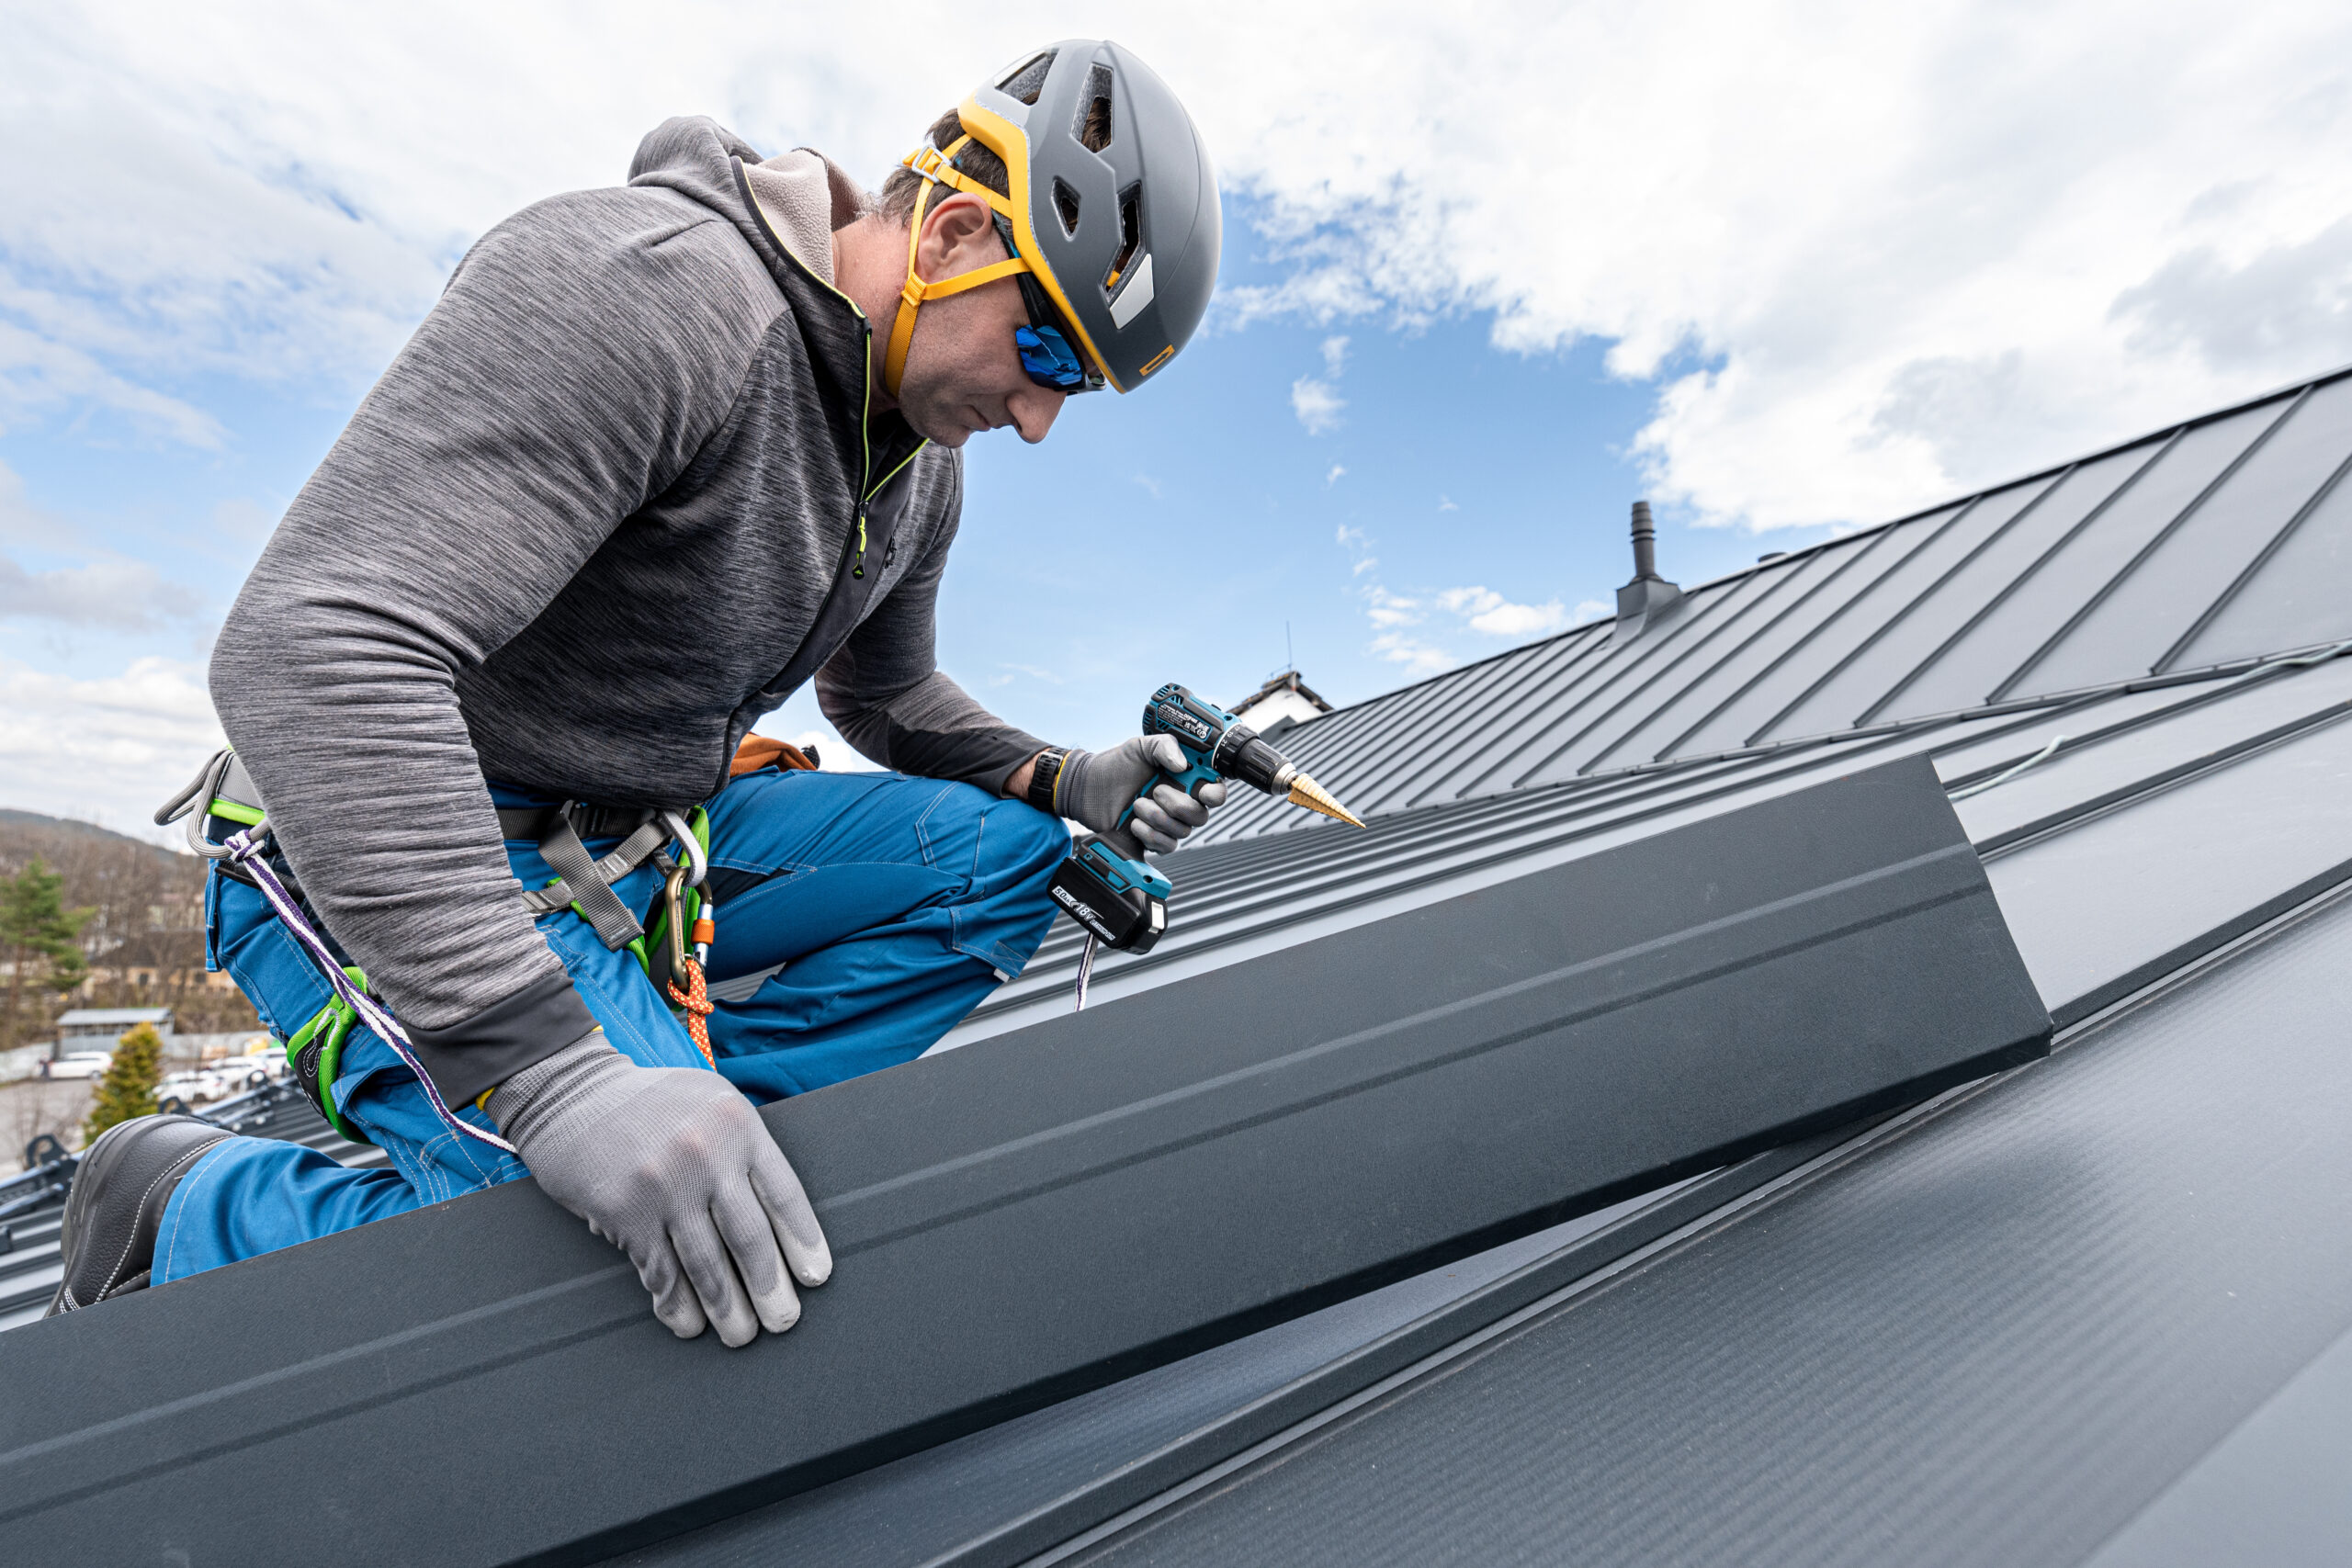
{"points": [[1050, 360], [1047, 353]]}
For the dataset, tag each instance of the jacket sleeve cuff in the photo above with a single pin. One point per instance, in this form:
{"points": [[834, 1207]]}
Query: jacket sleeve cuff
{"points": [[484, 1051]]}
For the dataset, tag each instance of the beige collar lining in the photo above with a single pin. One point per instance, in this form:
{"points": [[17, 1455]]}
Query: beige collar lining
{"points": [[805, 196]]}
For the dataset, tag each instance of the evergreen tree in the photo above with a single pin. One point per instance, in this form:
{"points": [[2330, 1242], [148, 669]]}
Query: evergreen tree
{"points": [[127, 1090], [39, 934]]}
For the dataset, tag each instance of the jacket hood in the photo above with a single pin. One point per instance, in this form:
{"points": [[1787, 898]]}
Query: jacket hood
{"points": [[801, 196]]}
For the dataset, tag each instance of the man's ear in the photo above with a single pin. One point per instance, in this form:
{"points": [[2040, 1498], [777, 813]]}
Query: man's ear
{"points": [[958, 235]]}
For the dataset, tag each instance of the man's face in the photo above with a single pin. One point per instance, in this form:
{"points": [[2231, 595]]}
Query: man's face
{"points": [[963, 371]]}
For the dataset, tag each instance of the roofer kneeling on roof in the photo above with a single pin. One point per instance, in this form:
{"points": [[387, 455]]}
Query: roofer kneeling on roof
{"points": [[659, 456]]}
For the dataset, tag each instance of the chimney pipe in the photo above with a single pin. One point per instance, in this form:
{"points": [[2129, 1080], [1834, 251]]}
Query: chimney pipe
{"points": [[1644, 542], [1649, 597]]}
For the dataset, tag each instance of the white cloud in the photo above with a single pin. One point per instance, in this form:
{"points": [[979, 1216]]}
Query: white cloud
{"points": [[1591, 609], [1911, 249], [1316, 405], [125, 595], [112, 592], [1445, 504], [1386, 609], [1334, 477], [107, 750], [1489, 613], [1878, 253], [1418, 658], [1316, 401]]}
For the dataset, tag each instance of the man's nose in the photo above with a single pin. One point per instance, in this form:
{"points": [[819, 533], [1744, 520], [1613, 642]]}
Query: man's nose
{"points": [[1033, 411]]}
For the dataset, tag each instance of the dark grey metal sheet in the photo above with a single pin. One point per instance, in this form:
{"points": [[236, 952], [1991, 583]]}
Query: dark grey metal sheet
{"points": [[1913, 639], [2275, 1492], [2301, 595], [1850, 612], [1386, 774], [2137, 624], [963, 1499], [1978, 747], [1476, 733], [1991, 1341], [1577, 746], [1930, 597], [1546, 722], [1820, 581], [2113, 901], [1020, 1221], [2197, 726], [2016, 617], [2072, 582], [1236, 900]]}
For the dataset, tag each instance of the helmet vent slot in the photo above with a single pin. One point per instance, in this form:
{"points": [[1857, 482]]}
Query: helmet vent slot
{"points": [[1027, 80], [1130, 235], [1066, 205], [1093, 128]]}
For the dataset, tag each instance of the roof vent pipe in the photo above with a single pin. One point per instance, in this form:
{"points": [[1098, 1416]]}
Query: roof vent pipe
{"points": [[1649, 597]]}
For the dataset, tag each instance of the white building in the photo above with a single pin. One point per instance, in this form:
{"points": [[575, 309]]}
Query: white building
{"points": [[1282, 702]]}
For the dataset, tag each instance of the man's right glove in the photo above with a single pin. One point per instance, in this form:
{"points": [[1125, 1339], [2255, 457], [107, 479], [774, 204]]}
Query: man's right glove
{"points": [[673, 1166], [1096, 788]]}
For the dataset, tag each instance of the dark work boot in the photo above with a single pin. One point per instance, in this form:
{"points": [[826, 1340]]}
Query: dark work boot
{"points": [[116, 1206]]}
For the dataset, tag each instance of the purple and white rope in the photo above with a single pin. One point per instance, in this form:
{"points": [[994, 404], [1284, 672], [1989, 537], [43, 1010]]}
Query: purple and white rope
{"points": [[245, 849]]}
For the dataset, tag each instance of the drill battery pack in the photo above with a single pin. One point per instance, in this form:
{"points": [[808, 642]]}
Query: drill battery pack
{"points": [[1098, 890]]}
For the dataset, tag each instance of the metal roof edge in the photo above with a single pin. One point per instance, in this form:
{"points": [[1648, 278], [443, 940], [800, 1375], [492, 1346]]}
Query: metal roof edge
{"points": [[1790, 558]]}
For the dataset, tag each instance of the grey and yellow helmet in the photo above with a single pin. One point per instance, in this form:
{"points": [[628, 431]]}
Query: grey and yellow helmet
{"points": [[1111, 209]]}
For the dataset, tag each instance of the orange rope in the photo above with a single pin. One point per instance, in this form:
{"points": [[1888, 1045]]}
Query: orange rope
{"points": [[695, 999]]}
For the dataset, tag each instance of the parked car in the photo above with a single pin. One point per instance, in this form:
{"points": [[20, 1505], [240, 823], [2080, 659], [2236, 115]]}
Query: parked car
{"points": [[254, 1069], [197, 1086], [78, 1065]]}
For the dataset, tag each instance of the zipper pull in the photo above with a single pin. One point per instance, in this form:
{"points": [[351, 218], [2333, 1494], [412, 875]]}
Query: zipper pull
{"points": [[859, 569]]}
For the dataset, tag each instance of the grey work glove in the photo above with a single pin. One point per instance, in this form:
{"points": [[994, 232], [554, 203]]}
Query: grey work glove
{"points": [[1096, 788], [673, 1166]]}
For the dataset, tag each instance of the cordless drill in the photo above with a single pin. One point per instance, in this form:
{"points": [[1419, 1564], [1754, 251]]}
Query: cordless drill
{"points": [[1123, 902]]}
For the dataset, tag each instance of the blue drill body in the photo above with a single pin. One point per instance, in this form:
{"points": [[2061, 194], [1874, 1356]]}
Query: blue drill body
{"points": [[1122, 901]]}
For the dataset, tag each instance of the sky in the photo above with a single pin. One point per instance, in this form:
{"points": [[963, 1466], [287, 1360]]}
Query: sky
{"points": [[1491, 273]]}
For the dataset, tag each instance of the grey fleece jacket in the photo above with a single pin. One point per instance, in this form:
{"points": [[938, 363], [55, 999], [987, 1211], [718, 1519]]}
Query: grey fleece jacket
{"points": [[577, 539]]}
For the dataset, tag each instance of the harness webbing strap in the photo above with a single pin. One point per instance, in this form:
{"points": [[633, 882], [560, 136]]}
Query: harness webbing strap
{"points": [[588, 882]]}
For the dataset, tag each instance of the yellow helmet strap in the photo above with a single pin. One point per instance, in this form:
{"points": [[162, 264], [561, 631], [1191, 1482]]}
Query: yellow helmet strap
{"points": [[933, 166]]}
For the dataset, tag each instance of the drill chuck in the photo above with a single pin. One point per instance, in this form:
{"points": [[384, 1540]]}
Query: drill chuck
{"points": [[1242, 757]]}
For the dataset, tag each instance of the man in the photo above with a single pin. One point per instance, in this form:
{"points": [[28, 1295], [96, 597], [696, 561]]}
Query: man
{"points": [[659, 455]]}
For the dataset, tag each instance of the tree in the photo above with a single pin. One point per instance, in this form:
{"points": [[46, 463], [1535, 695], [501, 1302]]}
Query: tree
{"points": [[39, 934], [127, 1090]]}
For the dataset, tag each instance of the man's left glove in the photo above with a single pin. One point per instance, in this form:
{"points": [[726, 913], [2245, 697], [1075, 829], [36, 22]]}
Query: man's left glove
{"points": [[1097, 787], [673, 1166]]}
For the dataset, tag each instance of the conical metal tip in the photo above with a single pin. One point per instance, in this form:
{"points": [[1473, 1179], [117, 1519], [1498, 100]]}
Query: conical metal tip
{"points": [[1305, 792]]}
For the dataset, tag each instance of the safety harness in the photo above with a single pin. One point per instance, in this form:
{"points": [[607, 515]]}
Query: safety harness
{"points": [[583, 884]]}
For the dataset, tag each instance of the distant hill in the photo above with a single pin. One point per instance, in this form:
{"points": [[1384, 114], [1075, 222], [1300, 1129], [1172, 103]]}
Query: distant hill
{"points": [[34, 826]]}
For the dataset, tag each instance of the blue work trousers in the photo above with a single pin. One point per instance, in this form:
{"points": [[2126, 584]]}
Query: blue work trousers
{"points": [[878, 908]]}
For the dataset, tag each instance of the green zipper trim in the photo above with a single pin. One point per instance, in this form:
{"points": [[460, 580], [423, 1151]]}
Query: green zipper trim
{"points": [[235, 811], [865, 407]]}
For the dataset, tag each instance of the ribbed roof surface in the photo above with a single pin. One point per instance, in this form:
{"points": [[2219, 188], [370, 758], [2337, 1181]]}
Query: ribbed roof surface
{"points": [[2198, 550]]}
